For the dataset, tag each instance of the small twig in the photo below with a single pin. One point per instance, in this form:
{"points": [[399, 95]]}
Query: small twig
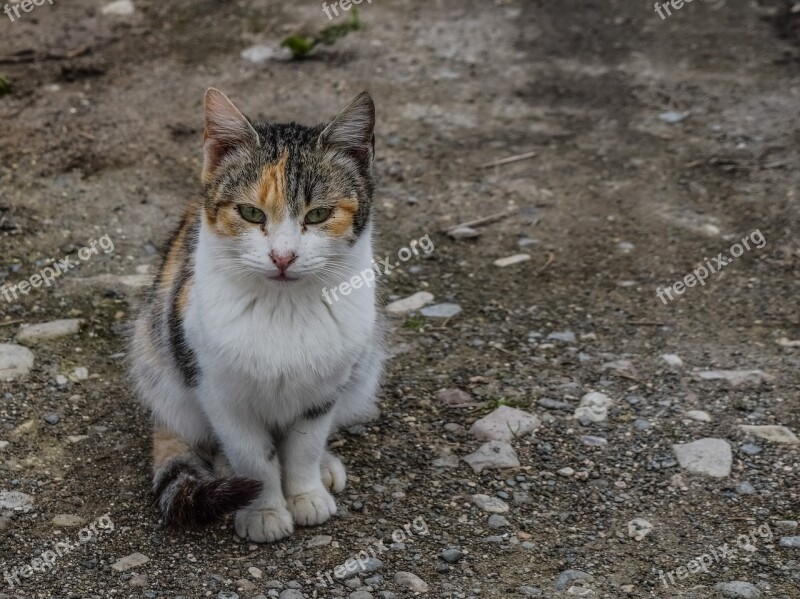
{"points": [[508, 160], [88, 136], [486, 220], [548, 262], [8, 323]]}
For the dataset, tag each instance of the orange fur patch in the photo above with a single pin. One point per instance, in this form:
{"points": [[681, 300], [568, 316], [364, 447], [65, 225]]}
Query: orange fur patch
{"points": [[166, 445], [272, 189], [341, 223], [183, 296], [177, 251]]}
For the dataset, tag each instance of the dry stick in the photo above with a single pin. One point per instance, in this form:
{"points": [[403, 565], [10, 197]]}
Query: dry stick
{"points": [[8, 323], [548, 262], [486, 220], [508, 160]]}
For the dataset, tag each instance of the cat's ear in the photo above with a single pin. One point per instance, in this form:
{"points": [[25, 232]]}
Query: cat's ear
{"points": [[226, 129], [353, 129]]}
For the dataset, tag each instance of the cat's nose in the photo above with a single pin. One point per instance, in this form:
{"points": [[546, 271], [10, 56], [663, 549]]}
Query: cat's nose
{"points": [[283, 259]]}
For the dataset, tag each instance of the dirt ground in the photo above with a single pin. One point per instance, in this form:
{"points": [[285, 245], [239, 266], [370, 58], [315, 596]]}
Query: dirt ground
{"points": [[658, 144]]}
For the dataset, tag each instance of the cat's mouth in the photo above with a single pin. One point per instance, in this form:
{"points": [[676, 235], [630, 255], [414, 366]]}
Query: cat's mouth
{"points": [[283, 277]]}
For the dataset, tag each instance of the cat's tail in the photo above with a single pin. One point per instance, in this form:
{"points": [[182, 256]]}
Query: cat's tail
{"points": [[186, 488]]}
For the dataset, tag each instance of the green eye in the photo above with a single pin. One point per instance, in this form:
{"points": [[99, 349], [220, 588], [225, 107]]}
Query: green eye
{"points": [[318, 215], [252, 214]]}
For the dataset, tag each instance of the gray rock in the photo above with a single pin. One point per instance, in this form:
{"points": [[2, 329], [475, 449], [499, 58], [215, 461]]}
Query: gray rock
{"points": [[592, 441], [793, 542], [3, 445], [15, 361], [567, 577], [563, 336], [492, 505], [360, 595], [51, 418], [751, 449], [735, 377], [737, 590], [529, 591], [640, 424], [372, 564], [594, 407], [15, 501], [134, 560], [410, 581], [698, 416], [498, 521], [319, 541], [47, 331], [554, 404], [672, 360], [639, 528], [492, 455], [227, 595], [455, 398], [504, 424], [291, 594], [773, 433], [441, 311], [745, 488], [707, 456], [783, 525], [67, 521], [452, 555]]}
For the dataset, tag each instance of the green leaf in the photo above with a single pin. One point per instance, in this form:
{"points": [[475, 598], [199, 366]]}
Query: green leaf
{"points": [[299, 45], [5, 85]]}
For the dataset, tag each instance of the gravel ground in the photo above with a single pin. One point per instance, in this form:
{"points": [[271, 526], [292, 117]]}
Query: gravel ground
{"points": [[550, 427]]}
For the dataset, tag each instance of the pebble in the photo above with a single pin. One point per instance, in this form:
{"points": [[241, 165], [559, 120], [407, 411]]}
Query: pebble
{"points": [[455, 398], [441, 311], [672, 359], [673, 116], [735, 377], [640, 424], [227, 595], [567, 577], [139, 581], [527, 591], [745, 488], [15, 361], [134, 560], [51, 418], [67, 520], [566, 472], [360, 595], [319, 541], [46, 331], [707, 456], [16, 501], [639, 528], [410, 303], [371, 565], [463, 233], [783, 525], [738, 590], [592, 441], [793, 542], [504, 424], [255, 573], [452, 555], [563, 336], [593, 407], [3, 445], [492, 505], [511, 260], [410, 581], [751, 449], [498, 521], [774, 433], [264, 52], [291, 594], [554, 404], [492, 455], [120, 8], [698, 415], [81, 373]]}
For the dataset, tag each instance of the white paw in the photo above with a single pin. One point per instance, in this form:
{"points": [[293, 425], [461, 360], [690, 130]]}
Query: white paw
{"points": [[333, 474], [311, 508], [264, 525]]}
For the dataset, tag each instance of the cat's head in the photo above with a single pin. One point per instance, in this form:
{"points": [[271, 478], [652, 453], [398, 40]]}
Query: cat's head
{"points": [[287, 202]]}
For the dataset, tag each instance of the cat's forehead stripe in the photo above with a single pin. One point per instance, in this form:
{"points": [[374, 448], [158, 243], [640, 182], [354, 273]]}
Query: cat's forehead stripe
{"points": [[272, 188]]}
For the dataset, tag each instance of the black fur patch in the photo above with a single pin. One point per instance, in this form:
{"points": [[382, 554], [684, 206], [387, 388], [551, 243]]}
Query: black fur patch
{"points": [[315, 412]]}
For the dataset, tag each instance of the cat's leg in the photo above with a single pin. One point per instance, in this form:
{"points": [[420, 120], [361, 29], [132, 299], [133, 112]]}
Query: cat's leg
{"points": [[302, 451], [252, 452]]}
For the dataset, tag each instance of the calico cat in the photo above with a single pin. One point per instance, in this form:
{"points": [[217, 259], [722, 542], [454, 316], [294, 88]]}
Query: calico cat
{"points": [[246, 369]]}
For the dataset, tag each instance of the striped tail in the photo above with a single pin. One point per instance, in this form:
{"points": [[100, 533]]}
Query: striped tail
{"points": [[186, 488]]}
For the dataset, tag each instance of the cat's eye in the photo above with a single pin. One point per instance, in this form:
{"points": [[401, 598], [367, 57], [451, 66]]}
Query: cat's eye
{"points": [[252, 214], [317, 216]]}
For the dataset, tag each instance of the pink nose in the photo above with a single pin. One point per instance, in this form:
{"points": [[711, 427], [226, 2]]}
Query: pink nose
{"points": [[283, 261]]}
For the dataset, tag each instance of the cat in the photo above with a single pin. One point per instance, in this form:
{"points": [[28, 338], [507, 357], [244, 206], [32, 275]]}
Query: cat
{"points": [[246, 369]]}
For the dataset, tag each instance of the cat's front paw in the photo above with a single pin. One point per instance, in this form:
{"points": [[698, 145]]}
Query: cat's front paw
{"points": [[313, 507], [333, 474], [264, 525]]}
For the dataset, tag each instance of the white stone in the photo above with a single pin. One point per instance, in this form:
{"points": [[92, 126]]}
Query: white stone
{"points": [[492, 455], [46, 331], [594, 407], [446, 310], [491, 505], [410, 303], [67, 521], [15, 361], [81, 373], [639, 528], [77, 438], [566, 472], [712, 457], [265, 52], [410, 581], [120, 8], [504, 424], [672, 359], [255, 572], [515, 259], [3, 445], [16, 501], [771, 432], [698, 415], [134, 560], [735, 377]]}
